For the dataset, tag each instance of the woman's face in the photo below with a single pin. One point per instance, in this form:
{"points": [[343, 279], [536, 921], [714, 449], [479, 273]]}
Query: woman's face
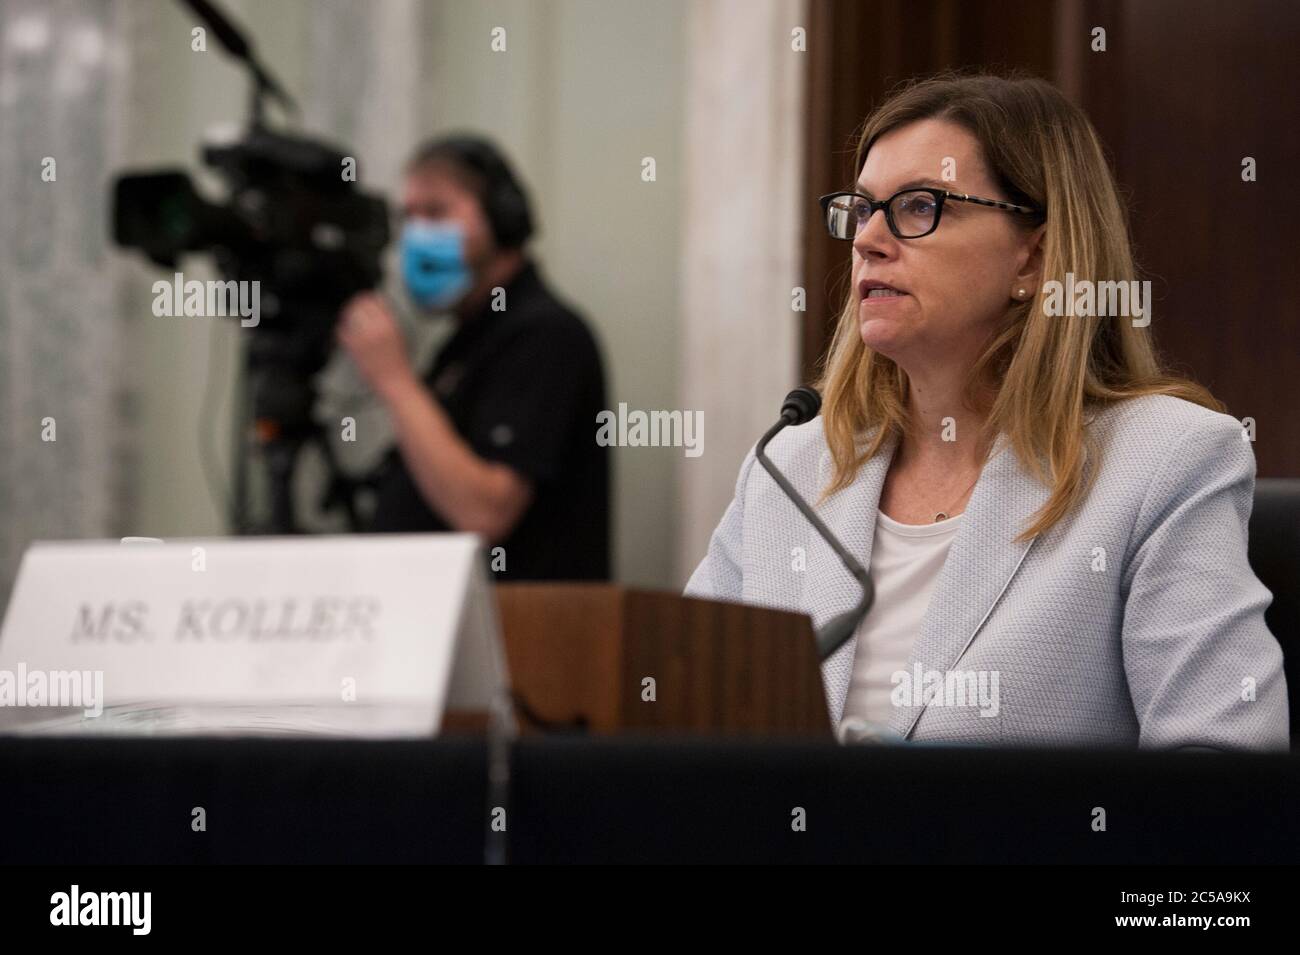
{"points": [[960, 279]]}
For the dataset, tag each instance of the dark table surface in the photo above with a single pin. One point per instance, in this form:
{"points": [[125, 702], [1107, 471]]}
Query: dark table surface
{"points": [[579, 799]]}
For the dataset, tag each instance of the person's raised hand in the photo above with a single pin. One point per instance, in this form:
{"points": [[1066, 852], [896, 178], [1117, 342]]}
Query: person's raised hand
{"points": [[369, 332]]}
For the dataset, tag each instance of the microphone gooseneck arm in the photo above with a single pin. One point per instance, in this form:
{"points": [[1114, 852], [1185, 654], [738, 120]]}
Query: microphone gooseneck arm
{"points": [[838, 630]]}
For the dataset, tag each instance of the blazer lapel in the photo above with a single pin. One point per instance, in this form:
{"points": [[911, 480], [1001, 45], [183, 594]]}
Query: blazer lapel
{"points": [[981, 562], [830, 589]]}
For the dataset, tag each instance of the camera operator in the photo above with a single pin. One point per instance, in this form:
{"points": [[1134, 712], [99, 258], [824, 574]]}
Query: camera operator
{"points": [[498, 437]]}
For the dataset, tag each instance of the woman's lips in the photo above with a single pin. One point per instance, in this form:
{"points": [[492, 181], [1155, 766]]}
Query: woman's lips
{"points": [[874, 290], [883, 298]]}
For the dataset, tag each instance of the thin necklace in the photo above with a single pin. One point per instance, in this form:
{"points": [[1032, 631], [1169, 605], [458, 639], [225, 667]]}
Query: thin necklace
{"points": [[943, 515]]}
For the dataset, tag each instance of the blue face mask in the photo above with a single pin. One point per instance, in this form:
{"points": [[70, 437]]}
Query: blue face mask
{"points": [[433, 263]]}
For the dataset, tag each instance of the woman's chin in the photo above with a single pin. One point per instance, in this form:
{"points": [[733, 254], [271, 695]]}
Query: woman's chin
{"points": [[881, 335]]}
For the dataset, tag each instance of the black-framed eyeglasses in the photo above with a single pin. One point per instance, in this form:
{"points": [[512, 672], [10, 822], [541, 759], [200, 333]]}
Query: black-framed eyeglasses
{"points": [[910, 214]]}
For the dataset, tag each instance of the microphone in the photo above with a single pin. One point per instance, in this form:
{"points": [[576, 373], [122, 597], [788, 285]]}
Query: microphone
{"points": [[801, 406], [241, 48]]}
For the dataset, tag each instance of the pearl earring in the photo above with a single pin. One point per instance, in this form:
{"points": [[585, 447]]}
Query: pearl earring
{"points": [[1020, 293]]}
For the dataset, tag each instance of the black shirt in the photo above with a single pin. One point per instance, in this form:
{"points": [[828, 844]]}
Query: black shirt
{"points": [[523, 386]]}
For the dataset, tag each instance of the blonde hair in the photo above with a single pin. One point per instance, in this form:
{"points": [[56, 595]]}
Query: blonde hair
{"points": [[1043, 152]]}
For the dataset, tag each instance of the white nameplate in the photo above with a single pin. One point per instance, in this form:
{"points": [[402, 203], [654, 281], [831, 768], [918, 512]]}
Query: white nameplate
{"points": [[376, 635]]}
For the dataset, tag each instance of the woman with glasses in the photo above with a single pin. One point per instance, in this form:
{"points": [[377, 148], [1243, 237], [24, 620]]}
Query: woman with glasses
{"points": [[1055, 527]]}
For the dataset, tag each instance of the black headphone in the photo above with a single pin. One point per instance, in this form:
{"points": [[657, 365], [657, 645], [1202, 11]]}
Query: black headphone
{"points": [[504, 202]]}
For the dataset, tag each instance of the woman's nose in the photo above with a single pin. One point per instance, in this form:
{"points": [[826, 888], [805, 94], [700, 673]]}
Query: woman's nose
{"points": [[874, 237]]}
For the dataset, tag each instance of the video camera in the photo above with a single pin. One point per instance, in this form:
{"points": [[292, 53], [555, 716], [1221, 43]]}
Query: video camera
{"points": [[296, 223], [292, 223]]}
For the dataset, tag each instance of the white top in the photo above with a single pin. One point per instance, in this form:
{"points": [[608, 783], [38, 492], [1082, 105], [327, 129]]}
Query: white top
{"points": [[905, 564]]}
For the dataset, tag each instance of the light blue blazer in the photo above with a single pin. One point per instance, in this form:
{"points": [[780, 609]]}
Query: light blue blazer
{"points": [[1134, 622]]}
